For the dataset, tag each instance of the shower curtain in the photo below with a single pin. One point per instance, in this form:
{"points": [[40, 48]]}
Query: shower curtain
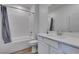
{"points": [[5, 25]]}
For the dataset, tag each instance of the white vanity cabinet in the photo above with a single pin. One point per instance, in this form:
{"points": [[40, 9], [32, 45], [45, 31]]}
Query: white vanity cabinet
{"points": [[50, 46]]}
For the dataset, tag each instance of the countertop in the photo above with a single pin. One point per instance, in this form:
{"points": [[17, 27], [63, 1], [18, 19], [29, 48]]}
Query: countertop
{"points": [[70, 40]]}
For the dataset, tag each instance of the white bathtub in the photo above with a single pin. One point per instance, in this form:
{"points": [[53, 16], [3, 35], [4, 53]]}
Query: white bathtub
{"points": [[16, 44]]}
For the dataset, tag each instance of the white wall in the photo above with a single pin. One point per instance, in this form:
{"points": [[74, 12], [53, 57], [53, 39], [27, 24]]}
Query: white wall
{"points": [[36, 20], [62, 16], [43, 18], [20, 22]]}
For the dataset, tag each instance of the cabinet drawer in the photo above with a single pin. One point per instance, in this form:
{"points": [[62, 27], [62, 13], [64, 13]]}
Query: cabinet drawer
{"points": [[50, 42], [69, 49]]}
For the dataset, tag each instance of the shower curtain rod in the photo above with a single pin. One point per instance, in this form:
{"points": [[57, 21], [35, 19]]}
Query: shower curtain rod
{"points": [[19, 9]]}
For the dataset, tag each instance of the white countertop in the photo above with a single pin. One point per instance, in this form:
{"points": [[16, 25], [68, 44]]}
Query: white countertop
{"points": [[71, 40]]}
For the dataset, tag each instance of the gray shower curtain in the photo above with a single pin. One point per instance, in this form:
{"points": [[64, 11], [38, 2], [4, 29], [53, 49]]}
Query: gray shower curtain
{"points": [[5, 25]]}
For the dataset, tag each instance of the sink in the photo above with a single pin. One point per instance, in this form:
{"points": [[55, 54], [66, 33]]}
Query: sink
{"points": [[54, 33], [60, 35]]}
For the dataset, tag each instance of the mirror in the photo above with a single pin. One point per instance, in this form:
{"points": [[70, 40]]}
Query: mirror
{"points": [[65, 16]]}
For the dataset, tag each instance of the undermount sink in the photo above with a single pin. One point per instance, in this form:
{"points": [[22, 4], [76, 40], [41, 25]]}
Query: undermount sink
{"points": [[53, 33], [66, 35]]}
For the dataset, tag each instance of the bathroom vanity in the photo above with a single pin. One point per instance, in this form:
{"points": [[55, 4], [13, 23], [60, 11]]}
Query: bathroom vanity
{"points": [[63, 20], [58, 44]]}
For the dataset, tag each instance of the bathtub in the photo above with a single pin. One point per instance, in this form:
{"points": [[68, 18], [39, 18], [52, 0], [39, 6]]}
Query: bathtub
{"points": [[18, 43]]}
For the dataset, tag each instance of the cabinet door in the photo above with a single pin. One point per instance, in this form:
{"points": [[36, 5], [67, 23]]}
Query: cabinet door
{"points": [[69, 49], [43, 48], [55, 51]]}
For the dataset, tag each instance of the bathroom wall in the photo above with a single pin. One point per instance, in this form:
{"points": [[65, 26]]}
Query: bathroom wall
{"points": [[36, 19], [63, 15], [20, 22], [43, 18]]}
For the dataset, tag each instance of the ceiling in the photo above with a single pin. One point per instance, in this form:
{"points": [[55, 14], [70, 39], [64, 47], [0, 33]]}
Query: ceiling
{"points": [[51, 7], [26, 6]]}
